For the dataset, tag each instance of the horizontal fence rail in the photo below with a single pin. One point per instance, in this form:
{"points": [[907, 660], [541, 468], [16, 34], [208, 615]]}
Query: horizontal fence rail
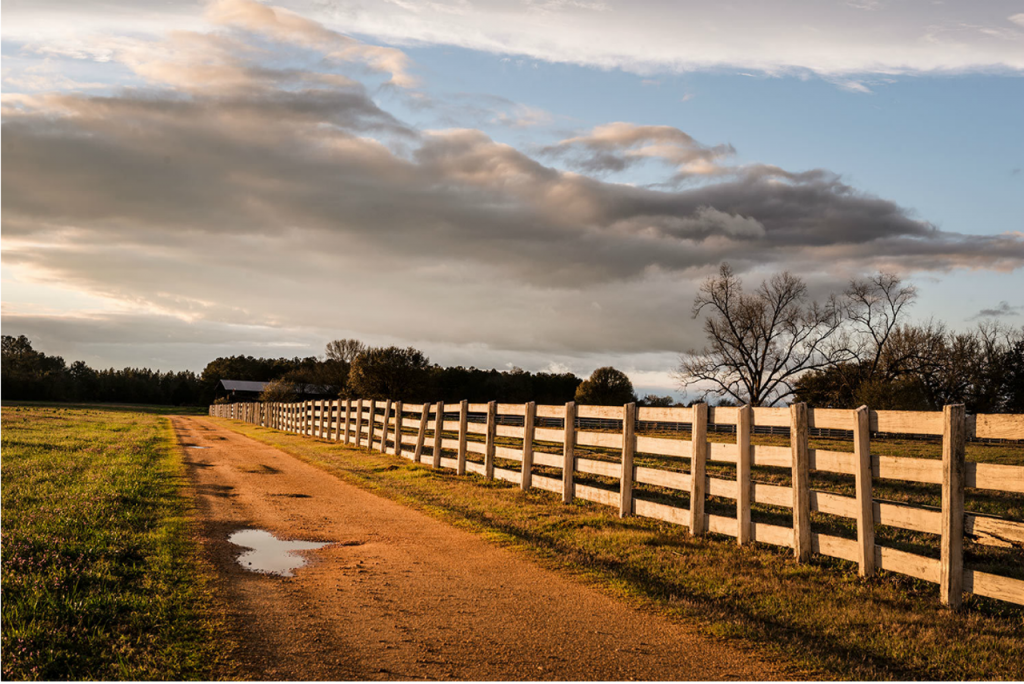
{"points": [[535, 446]]}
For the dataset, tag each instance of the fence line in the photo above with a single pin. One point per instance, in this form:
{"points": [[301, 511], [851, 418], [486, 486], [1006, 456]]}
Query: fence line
{"points": [[360, 423]]}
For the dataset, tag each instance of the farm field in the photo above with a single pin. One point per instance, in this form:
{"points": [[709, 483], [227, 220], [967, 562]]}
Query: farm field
{"points": [[820, 617], [101, 578]]}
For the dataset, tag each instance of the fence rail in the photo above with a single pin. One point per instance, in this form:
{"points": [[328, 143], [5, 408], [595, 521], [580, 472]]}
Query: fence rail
{"points": [[424, 432]]}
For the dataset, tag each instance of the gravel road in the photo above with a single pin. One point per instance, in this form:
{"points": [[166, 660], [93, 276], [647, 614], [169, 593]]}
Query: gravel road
{"points": [[400, 595]]}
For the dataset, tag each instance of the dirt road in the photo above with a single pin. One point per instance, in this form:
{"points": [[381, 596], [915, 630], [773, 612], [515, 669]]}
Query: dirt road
{"points": [[400, 595]]}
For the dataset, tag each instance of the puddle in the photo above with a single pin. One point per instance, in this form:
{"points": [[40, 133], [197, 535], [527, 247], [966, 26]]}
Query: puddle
{"points": [[269, 554], [195, 446]]}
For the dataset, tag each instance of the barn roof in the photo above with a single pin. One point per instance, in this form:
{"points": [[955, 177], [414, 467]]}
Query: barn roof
{"points": [[243, 385]]}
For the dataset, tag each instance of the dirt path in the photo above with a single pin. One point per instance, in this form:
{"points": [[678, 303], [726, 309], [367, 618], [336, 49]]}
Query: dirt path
{"points": [[400, 595]]}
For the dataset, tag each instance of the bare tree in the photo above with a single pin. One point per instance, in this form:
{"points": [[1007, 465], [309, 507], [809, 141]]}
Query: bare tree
{"points": [[875, 307], [759, 343], [344, 350]]}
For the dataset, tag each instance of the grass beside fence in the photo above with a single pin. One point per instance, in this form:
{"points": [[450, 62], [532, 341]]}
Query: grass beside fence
{"points": [[101, 578], [819, 617]]}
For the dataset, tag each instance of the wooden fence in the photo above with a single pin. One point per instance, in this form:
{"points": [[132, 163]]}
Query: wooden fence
{"points": [[424, 433]]}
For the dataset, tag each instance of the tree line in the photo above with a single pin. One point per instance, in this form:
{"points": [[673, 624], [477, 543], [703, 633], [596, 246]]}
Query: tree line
{"points": [[774, 344]]}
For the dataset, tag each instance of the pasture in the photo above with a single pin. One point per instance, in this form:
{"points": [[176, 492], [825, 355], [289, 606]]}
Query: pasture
{"points": [[101, 579]]}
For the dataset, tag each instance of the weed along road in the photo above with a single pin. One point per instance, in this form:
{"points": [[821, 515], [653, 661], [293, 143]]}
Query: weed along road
{"points": [[396, 594]]}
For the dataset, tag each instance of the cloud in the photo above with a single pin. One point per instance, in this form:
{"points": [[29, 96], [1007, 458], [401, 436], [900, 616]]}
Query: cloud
{"points": [[1004, 309], [617, 146], [289, 201]]}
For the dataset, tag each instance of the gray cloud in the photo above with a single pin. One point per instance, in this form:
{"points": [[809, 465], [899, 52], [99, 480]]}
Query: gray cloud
{"points": [[1004, 309], [307, 207]]}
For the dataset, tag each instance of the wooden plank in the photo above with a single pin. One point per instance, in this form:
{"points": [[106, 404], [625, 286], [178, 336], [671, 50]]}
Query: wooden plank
{"points": [[478, 408], [438, 433], [477, 428], [894, 560], [662, 478], [1002, 478], [607, 440], [508, 453], [772, 534], [371, 423], [477, 468], [954, 449], [907, 517], [397, 429], [549, 484], [606, 412], [674, 414], [992, 531], [463, 418], [999, 426], [834, 504], [744, 459], [927, 470], [715, 486], [450, 444], [411, 423], [720, 524], [670, 514], [323, 419], [842, 462], [837, 547], [529, 414], [508, 431], [994, 586], [626, 465], [348, 421], [421, 434], [907, 422], [542, 458], [662, 447], [698, 465], [568, 452], [723, 415], [476, 448], [548, 435], [511, 409], [451, 425], [773, 456], [452, 463], [593, 467], [772, 495], [492, 421], [765, 416], [830, 419], [798, 433], [550, 411], [506, 475], [597, 495], [722, 452], [359, 422], [864, 507]]}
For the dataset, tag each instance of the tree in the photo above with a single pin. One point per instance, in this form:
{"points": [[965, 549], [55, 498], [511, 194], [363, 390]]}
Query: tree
{"points": [[606, 387], [279, 390], [759, 343], [345, 350], [654, 400], [390, 373]]}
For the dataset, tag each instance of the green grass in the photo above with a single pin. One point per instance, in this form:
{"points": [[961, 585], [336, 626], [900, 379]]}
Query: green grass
{"points": [[101, 578], [819, 617]]}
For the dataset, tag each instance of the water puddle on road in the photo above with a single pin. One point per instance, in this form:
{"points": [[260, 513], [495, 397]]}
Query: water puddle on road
{"points": [[271, 555], [195, 446]]}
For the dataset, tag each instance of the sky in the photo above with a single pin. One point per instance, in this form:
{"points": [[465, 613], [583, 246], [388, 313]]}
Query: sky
{"points": [[537, 183]]}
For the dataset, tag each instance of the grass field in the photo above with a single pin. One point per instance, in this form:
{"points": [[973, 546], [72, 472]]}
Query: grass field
{"points": [[820, 616], [100, 576]]}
